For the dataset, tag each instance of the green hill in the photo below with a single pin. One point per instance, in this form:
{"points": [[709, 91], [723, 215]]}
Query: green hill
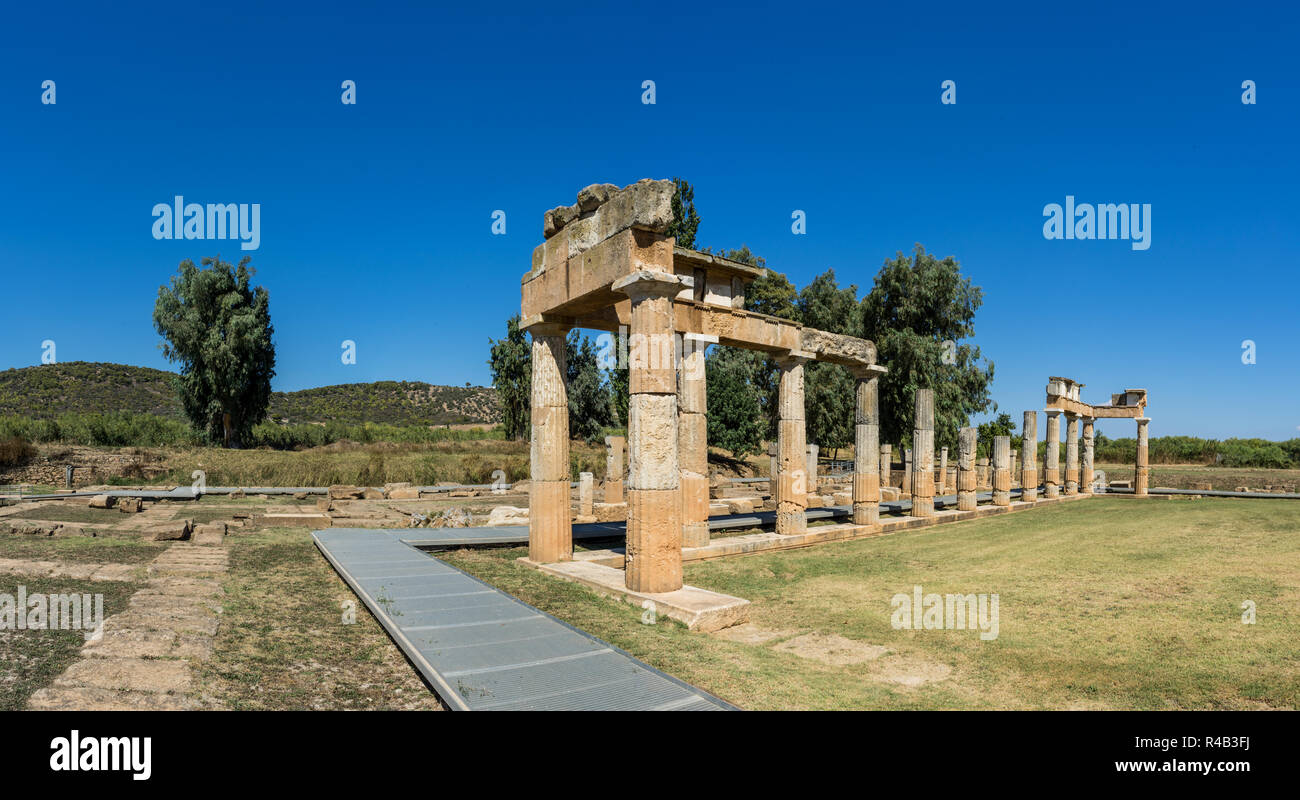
{"points": [[80, 387]]}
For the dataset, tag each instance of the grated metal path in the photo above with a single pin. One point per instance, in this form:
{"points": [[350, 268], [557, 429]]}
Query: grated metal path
{"points": [[485, 650]]}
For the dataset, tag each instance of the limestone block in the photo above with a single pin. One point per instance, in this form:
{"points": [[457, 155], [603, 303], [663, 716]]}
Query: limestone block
{"points": [[609, 512], [341, 492], [507, 515], [550, 531], [102, 501], [652, 430], [172, 530], [130, 505], [654, 540], [404, 493], [210, 534]]}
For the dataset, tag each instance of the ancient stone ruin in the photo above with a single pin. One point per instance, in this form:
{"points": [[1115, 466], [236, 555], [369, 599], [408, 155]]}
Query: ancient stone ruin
{"points": [[608, 264]]}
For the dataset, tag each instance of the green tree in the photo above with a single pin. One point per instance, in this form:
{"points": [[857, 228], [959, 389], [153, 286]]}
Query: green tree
{"points": [[1002, 426], [686, 221], [734, 416], [511, 363], [217, 326], [917, 312], [829, 397], [619, 385], [590, 410]]}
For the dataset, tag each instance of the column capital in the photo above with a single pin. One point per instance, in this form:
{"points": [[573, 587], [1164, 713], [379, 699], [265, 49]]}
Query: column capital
{"points": [[865, 372], [543, 325], [794, 358], [1142, 420], [1052, 412], [648, 283]]}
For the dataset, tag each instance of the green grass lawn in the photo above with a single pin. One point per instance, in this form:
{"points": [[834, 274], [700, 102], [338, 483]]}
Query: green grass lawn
{"points": [[84, 549], [1105, 603], [31, 659], [283, 643], [1182, 476]]}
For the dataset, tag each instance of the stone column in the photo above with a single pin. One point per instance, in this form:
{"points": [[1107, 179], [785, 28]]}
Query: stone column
{"points": [[1085, 480], [1141, 471], [810, 466], [614, 469], [693, 434], [550, 531], [943, 472], [792, 478], [1071, 453], [1029, 459], [867, 452], [1015, 476], [982, 477], [1001, 470], [654, 502], [886, 457], [907, 473], [966, 469], [1052, 458], [586, 493], [923, 455]]}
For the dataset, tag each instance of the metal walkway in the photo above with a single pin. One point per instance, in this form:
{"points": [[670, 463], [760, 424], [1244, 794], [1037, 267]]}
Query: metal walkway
{"points": [[518, 534], [482, 649]]}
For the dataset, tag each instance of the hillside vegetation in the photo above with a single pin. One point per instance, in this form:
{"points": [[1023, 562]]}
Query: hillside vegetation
{"points": [[76, 388]]}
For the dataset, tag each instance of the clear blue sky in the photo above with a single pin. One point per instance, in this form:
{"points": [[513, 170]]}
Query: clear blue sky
{"points": [[376, 219]]}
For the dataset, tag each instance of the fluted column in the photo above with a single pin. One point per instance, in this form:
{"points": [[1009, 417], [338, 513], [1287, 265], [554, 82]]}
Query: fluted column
{"points": [[966, 439], [1089, 440], [614, 468], [983, 474], [693, 434], [810, 467], [792, 479], [886, 463], [923, 455], [1029, 459], [1142, 471], [942, 488], [654, 505], [866, 446], [1001, 470], [907, 473], [550, 531], [1052, 458], [1071, 453]]}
